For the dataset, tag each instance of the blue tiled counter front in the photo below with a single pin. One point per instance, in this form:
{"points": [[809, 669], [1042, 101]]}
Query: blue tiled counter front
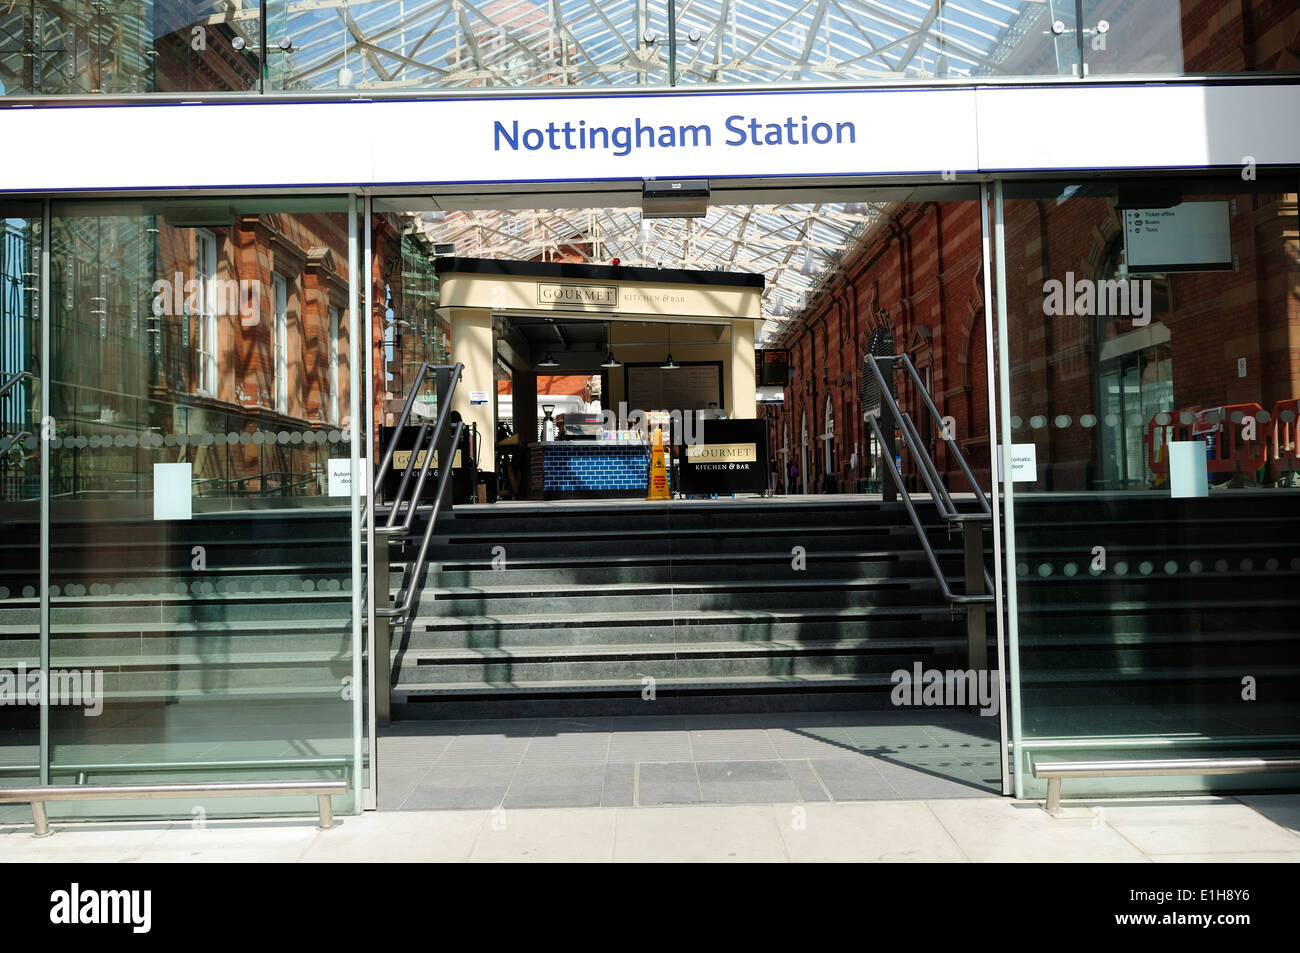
{"points": [[590, 467]]}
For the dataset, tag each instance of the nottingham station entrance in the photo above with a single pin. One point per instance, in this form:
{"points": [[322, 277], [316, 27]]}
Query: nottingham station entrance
{"points": [[223, 466], [766, 627]]}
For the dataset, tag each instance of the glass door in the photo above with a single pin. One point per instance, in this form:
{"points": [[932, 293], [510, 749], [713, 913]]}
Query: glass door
{"points": [[202, 592], [1149, 395], [20, 496]]}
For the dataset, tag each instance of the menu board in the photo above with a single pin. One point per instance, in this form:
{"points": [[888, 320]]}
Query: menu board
{"points": [[773, 366], [692, 385]]}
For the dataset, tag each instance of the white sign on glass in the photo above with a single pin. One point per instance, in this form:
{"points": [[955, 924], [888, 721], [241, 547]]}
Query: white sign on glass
{"points": [[340, 476], [1024, 463], [1193, 236]]}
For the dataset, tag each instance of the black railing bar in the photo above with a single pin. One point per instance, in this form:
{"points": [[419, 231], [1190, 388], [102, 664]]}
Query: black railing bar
{"points": [[412, 583], [437, 429], [970, 477], [342, 762]]}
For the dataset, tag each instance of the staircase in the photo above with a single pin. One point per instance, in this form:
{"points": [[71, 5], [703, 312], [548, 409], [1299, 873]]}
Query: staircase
{"points": [[583, 609], [267, 619]]}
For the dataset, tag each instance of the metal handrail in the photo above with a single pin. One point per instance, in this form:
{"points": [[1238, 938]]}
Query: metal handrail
{"points": [[405, 415], [401, 422], [948, 508], [928, 468], [18, 376], [13, 441], [952, 444], [323, 790], [979, 584], [413, 575], [439, 424], [948, 594], [1054, 771]]}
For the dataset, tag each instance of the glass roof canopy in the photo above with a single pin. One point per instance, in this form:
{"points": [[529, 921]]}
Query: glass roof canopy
{"points": [[409, 44], [795, 246], [399, 45]]}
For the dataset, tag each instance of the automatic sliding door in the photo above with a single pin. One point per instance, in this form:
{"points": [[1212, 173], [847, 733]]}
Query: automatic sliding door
{"points": [[201, 578]]}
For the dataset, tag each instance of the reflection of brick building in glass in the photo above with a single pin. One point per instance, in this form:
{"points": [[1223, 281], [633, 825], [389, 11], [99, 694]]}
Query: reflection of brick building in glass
{"points": [[917, 278], [71, 47], [221, 345], [914, 283]]}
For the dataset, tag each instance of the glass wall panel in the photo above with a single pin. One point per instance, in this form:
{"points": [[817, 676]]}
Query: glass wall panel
{"points": [[20, 254], [445, 44], [1153, 380], [201, 581], [1148, 38], [78, 47], [75, 47]]}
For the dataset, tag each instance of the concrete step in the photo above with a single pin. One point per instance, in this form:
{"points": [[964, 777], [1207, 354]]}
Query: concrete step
{"points": [[519, 664], [818, 563], [68, 613], [630, 599], [672, 629]]}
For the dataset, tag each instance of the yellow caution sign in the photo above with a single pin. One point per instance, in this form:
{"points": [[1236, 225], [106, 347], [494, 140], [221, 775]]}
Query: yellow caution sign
{"points": [[658, 468]]}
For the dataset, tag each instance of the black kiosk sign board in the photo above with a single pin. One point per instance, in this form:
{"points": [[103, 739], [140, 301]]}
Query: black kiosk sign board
{"points": [[462, 478], [730, 457]]}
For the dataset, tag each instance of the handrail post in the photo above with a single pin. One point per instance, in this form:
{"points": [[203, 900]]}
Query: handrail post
{"points": [[40, 822], [442, 384], [977, 648], [382, 662], [326, 811], [888, 424]]}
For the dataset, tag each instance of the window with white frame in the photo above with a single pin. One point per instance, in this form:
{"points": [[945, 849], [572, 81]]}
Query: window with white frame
{"points": [[205, 274], [280, 292], [334, 366]]}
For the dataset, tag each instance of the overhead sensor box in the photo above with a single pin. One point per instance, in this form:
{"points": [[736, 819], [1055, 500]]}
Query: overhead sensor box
{"points": [[1139, 195], [198, 216], [675, 198], [445, 248]]}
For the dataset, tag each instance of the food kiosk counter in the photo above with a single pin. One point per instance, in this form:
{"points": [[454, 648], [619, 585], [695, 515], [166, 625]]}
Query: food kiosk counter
{"points": [[589, 468]]}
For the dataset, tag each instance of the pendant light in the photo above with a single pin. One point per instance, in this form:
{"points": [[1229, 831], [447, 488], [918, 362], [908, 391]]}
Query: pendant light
{"points": [[609, 359], [670, 364], [550, 361]]}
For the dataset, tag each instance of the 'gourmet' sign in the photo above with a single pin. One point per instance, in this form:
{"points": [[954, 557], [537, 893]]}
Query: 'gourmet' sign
{"points": [[565, 295]]}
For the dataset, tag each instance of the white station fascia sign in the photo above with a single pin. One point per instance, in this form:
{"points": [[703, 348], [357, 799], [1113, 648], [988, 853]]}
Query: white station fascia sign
{"points": [[459, 139]]}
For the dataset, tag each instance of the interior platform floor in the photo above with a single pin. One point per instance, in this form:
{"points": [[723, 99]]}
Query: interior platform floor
{"points": [[640, 761]]}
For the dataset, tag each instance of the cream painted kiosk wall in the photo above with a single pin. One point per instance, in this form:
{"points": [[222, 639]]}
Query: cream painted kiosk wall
{"points": [[473, 290]]}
